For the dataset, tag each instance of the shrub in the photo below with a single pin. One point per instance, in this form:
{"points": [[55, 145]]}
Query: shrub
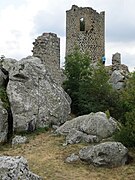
{"points": [[87, 85], [126, 136], [127, 133]]}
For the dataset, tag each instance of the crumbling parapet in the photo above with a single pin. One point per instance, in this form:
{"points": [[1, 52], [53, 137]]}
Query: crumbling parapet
{"points": [[116, 61], [85, 29], [47, 48], [118, 72]]}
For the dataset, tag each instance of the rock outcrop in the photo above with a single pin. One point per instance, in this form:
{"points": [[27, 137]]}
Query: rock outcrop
{"points": [[35, 99], [15, 168], [108, 154], [91, 128]]}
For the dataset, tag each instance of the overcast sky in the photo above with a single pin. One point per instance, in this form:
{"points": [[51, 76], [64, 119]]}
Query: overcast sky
{"points": [[21, 21]]}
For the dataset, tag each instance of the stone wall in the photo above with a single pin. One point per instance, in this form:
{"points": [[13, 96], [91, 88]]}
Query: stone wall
{"points": [[90, 37], [116, 61], [118, 72], [47, 48]]}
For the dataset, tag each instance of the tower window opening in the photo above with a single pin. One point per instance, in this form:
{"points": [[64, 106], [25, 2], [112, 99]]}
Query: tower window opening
{"points": [[82, 24]]}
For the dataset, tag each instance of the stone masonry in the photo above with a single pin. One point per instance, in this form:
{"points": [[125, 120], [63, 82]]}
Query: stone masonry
{"points": [[85, 29], [119, 73], [47, 48], [116, 61]]}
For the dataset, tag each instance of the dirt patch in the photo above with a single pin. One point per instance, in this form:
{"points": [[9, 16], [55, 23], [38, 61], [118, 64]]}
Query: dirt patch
{"points": [[46, 154]]}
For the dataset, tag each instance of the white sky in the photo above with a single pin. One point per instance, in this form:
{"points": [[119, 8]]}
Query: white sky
{"points": [[21, 21]]}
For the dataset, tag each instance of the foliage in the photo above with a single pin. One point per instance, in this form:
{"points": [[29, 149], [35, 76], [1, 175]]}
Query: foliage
{"points": [[127, 133], [126, 136], [76, 66], [107, 113], [4, 98], [87, 85], [96, 94]]}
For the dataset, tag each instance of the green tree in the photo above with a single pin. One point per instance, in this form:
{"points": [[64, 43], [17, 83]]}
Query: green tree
{"points": [[96, 94], [77, 65], [87, 85], [127, 133]]}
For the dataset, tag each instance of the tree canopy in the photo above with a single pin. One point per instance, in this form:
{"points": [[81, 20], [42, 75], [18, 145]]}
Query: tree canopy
{"points": [[87, 84]]}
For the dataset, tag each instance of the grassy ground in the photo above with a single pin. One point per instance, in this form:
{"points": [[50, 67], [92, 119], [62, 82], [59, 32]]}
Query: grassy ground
{"points": [[46, 155]]}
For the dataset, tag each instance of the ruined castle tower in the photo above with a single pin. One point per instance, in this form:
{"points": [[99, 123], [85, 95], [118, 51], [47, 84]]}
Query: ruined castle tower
{"points": [[47, 48], [85, 30]]}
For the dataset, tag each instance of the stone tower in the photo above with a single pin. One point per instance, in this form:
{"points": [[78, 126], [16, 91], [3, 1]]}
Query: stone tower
{"points": [[47, 48], [85, 29]]}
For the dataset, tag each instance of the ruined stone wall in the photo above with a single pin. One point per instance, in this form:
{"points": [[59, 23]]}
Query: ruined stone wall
{"points": [[47, 48], [91, 39], [116, 61], [118, 72]]}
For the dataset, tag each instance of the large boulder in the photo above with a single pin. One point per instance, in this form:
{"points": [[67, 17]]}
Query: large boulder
{"points": [[3, 123], [96, 124], [109, 154], [36, 101], [14, 168]]}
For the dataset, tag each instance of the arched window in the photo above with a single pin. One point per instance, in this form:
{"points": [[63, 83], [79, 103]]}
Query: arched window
{"points": [[82, 24]]}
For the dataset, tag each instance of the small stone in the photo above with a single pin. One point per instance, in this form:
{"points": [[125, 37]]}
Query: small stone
{"points": [[74, 137], [19, 140], [72, 158]]}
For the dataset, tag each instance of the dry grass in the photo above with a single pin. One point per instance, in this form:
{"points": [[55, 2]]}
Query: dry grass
{"points": [[46, 156]]}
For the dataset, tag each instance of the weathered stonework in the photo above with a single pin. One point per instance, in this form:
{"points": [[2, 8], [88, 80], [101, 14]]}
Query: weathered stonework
{"points": [[118, 72], [85, 29], [47, 48], [116, 61]]}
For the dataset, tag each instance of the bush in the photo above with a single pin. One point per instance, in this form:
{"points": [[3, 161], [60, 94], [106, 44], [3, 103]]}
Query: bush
{"points": [[126, 136], [87, 85], [77, 66], [127, 133]]}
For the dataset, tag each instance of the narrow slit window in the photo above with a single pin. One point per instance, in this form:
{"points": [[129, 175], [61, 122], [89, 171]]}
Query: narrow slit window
{"points": [[82, 24]]}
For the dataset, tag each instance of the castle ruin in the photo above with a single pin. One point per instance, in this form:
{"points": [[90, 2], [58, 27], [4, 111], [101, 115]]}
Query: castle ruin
{"points": [[47, 48], [85, 29]]}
